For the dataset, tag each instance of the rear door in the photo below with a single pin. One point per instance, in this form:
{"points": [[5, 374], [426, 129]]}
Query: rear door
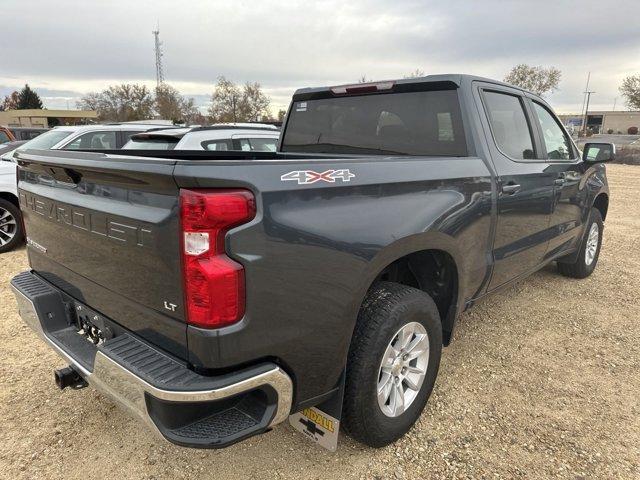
{"points": [[525, 184], [105, 230]]}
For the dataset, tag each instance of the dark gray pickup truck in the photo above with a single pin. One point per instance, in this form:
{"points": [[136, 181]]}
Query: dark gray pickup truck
{"points": [[214, 294]]}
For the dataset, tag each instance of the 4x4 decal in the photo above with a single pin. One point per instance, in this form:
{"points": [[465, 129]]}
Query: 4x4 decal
{"points": [[306, 177]]}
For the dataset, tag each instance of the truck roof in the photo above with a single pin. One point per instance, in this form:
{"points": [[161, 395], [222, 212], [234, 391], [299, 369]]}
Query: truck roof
{"points": [[455, 80]]}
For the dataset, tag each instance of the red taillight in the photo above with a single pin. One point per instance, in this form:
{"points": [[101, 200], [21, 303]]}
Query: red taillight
{"points": [[214, 283]]}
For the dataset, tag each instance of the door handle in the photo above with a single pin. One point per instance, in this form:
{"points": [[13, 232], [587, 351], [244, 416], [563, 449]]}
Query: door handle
{"points": [[559, 181], [510, 188]]}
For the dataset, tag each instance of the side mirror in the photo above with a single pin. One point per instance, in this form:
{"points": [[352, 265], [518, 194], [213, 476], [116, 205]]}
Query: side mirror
{"points": [[598, 152]]}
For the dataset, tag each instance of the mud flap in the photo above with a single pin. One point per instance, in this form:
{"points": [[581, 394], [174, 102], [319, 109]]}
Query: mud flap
{"points": [[321, 423]]}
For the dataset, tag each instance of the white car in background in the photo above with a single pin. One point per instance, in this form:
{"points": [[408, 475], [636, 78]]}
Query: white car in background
{"points": [[90, 137], [85, 137], [246, 137], [11, 233]]}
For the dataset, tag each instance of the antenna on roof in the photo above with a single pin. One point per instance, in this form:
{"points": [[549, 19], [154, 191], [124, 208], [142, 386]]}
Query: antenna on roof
{"points": [[158, 51]]}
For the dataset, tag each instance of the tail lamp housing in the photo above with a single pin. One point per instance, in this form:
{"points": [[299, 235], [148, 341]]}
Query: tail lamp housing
{"points": [[214, 283]]}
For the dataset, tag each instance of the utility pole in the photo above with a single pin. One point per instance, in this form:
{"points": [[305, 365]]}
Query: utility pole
{"points": [[584, 96], [586, 112], [615, 100], [158, 50]]}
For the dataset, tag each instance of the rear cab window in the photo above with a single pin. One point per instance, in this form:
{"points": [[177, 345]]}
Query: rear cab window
{"points": [[424, 123]]}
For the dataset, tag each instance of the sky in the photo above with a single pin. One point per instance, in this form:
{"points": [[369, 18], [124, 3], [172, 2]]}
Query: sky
{"points": [[67, 48]]}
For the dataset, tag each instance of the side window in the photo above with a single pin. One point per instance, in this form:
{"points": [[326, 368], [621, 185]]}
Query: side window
{"points": [[245, 145], [217, 145], [556, 141], [93, 141], [263, 144], [4, 138], [509, 125]]}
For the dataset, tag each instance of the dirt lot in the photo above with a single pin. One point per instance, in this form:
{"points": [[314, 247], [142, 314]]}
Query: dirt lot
{"points": [[541, 380]]}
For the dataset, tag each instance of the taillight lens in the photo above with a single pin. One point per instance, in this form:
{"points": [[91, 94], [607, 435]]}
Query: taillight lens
{"points": [[214, 283]]}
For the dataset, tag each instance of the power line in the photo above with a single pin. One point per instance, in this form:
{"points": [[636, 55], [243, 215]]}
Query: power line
{"points": [[158, 51]]}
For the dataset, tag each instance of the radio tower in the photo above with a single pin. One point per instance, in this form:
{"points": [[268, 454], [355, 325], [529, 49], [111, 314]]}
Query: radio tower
{"points": [[158, 49]]}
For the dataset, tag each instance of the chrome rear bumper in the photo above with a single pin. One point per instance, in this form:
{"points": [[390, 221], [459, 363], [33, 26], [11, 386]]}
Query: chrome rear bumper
{"points": [[133, 392]]}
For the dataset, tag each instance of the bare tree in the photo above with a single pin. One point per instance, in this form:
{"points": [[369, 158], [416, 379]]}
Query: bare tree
{"points": [[120, 103], [630, 89], [224, 102], [169, 104], [229, 103], [538, 80], [281, 115], [10, 101], [415, 74], [90, 101], [254, 105]]}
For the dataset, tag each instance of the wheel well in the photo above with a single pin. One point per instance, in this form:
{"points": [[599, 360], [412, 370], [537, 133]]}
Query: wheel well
{"points": [[602, 203], [434, 272], [9, 197]]}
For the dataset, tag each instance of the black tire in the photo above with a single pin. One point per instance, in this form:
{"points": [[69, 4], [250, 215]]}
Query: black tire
{"points": [[580, 268], [16, 230], [386, 309]]}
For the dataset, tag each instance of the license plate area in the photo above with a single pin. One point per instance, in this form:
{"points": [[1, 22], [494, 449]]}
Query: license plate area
{"points": [[91, 325]]}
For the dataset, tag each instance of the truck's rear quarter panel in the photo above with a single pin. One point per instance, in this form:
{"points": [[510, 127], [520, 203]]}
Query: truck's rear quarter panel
{"points": [[313, 250]]}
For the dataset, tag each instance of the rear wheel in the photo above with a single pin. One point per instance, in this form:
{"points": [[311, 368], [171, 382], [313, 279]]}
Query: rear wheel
{"points": [[393, 363], [587, 259], [11, 234]]}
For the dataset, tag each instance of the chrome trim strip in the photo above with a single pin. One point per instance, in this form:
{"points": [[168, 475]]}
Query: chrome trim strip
{"points": [[128, 390]]}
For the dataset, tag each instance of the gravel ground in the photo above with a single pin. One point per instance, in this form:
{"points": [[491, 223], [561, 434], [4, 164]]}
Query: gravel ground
{"points": [[541, 380]]}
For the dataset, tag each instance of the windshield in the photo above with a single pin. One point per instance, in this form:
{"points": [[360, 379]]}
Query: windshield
{"points": [[412, 123], [151, 144], [46, 140]]}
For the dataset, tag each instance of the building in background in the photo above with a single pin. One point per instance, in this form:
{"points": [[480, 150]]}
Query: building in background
{"points": [[47, 118], [603, 121]]}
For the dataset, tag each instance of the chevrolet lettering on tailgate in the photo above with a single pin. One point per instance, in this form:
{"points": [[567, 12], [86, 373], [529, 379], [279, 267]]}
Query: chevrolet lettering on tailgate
{"points": [[93, 222]]}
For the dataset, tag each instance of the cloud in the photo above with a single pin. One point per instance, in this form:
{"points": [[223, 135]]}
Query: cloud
{"points": [[83, 46]]}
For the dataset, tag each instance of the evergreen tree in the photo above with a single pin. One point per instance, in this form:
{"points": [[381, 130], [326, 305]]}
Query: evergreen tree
{"points": [[27, 98]]}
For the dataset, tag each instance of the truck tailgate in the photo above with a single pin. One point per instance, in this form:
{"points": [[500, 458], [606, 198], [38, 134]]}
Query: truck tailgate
{"points": [[105, 230]]}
